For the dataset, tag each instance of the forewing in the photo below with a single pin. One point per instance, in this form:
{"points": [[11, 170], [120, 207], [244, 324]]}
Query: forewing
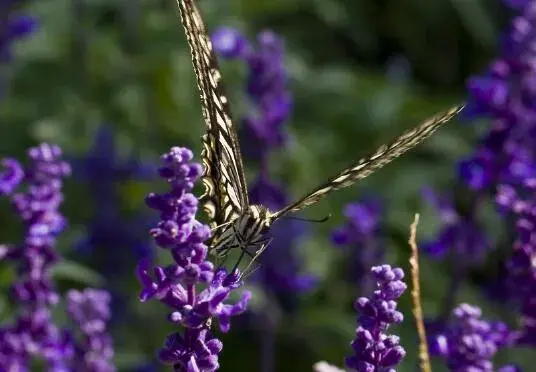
{"points": [[225, 186], [382, 156]]}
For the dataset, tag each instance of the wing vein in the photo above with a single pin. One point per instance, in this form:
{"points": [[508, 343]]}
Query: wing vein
{"points": [[225, 194], [368, 165]]}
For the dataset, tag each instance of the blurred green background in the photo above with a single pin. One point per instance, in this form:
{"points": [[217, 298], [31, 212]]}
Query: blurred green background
{"points": [[361, 72]]}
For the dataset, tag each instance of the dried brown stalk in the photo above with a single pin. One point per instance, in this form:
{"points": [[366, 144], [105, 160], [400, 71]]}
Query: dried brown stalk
{"points": [[424, 356]]}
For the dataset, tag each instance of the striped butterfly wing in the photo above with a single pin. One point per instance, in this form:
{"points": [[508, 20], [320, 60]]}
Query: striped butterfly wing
{"points": [[225, 186], [381, 157]]}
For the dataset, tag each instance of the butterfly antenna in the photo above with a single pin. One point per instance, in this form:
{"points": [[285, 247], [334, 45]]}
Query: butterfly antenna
{"points": [[308, 220]]}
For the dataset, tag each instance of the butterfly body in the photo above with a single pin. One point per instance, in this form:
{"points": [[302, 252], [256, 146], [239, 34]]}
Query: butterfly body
{"points": [[245, 232], [237, 224]]}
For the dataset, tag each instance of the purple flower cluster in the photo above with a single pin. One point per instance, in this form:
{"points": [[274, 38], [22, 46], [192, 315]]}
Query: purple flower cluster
{"points": [[36, 195], [37, 206], [506, 94], [178, 285], [460, 235], [110, 230], [374, 349], [266, 87], [361, 232], [15, 25], [505, 162], [503, 166], [90, 311], [263, 131], [469, 343], [521, 266]]}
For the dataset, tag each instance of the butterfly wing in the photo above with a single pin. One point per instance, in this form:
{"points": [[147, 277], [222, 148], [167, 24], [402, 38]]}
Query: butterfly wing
{"points": [[225, 186], [366, 166]]}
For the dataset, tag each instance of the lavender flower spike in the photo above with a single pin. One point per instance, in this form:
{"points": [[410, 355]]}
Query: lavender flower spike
{"points": [[469, 342], [360, 237], [376, 351], [266, 87], [33, 333], [178, 285], [90, 310]]}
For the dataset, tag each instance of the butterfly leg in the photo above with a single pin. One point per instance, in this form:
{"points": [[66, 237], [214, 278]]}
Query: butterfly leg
{"points": [[253, 256], [225, 254], [263, 243], [220, 226], [222, 260], [240, 243], [239, 260]]}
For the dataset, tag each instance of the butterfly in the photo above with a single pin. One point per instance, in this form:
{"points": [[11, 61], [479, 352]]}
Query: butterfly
{"points": [[235, 222]]}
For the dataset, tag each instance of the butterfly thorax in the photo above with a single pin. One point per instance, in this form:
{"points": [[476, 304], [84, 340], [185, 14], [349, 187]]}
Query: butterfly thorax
{"points": [[245, 232]]}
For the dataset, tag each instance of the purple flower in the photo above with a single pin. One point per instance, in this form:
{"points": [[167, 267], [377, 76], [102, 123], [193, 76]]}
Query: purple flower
{"points": [[18, 26], [104, 163], [109, 229], [195, 351], [33, 334], [11, 176], [280, 270], [460, 235], [363, 223], [521, 278], [506, 94], [230, 43], [263, 131], [178, 285], [374, 349], [505, 162], [266, 87], [361, 232], [469, 343], [460, 240], [517, 4], [37, 207], [527, 335], [90, 310]]}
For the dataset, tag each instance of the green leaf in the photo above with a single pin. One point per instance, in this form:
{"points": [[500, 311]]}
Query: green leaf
{"points": [[73, 271], [128, 360]]}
